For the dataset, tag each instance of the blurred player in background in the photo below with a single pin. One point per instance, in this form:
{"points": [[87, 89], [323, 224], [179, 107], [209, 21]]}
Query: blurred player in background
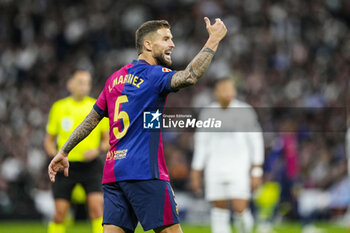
{"points": [[346, 218], [232, 162], [347, 143], [85, 167], [135, 179]]}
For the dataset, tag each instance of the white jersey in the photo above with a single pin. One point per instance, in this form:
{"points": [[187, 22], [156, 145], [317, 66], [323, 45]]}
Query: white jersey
{"points": [[229, 155]]}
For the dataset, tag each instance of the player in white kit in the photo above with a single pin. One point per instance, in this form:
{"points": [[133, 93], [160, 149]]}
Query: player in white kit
{"points": [[346, 218], [231, 161]]}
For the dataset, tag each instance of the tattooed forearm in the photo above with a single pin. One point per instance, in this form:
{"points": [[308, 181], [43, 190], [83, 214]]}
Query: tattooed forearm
{"points": [[194, 71], [82, 131]]}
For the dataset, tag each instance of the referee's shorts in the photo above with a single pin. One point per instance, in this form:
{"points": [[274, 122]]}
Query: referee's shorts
{"points": [[88, 174]]}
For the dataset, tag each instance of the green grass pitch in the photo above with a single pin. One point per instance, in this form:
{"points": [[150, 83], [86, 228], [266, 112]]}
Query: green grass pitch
{"points": [[84, 227]]}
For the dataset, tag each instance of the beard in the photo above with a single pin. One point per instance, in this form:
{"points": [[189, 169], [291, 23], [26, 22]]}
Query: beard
{"points": [[162, 61]]}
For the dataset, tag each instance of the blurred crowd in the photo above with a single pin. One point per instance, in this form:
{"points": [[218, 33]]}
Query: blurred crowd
{"points": [[282, 54]]}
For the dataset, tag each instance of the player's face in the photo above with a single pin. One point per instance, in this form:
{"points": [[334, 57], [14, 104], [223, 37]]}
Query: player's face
{"points": [[80, 84], [225, 92], [162, 46]]}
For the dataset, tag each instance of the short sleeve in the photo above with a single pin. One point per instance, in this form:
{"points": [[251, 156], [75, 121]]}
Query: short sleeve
{"points": [[52, 124], [101, 104], [161, 78], [253, 121], [201, 140]]}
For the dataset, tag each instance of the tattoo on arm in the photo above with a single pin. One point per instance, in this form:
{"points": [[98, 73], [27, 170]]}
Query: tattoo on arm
{"points": [[82, 131], [194, 71], [208, 50]]}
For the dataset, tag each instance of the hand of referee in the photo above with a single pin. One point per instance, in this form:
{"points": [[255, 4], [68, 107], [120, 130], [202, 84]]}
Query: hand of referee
{"points": [[58, 163]]}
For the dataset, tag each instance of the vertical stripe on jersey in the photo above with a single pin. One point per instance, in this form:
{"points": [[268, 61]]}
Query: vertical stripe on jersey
{"points": [[109, 172], [156, 154], [162, 169]]}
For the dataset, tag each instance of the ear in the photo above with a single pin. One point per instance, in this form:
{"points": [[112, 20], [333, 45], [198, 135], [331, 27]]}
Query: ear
{"points": [[147, 44], [69, 85]]}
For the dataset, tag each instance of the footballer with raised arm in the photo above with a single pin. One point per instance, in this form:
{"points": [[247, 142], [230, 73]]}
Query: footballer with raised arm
{"points": [[135, 178]]}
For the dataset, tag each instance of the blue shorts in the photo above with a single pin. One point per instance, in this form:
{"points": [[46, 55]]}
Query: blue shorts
{"points": [[151, 202]]}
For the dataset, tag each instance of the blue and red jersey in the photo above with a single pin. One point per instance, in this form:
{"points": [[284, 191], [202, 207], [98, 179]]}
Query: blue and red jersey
{"points": [[136, 153]]}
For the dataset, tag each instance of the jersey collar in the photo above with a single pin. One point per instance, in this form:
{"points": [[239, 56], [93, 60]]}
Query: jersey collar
{"points": [[141, 61]]}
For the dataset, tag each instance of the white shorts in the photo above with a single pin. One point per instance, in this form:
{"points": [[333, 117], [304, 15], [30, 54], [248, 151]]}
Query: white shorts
{"points": [[216, 190]]}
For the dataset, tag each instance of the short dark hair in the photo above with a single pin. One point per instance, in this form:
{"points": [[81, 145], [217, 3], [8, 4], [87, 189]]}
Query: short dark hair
{"points": [[146, 28]]}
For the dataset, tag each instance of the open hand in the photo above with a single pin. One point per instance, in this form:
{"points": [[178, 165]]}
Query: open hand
{"points": [[58, 163]]}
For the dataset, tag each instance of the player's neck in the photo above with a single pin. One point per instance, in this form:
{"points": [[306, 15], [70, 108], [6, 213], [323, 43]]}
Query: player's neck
{"points": [[78, 98], [148, 58], [224, 104]]}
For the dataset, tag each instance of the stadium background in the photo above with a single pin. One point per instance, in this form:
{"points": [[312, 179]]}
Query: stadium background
{"points": [[291, 54]]}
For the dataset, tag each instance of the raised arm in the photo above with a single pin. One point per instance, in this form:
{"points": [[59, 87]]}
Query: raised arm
{"points": [[60, 161], [200, 63]]}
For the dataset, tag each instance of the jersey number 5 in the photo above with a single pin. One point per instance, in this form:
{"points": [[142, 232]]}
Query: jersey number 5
{"points": [[122, 115]]}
